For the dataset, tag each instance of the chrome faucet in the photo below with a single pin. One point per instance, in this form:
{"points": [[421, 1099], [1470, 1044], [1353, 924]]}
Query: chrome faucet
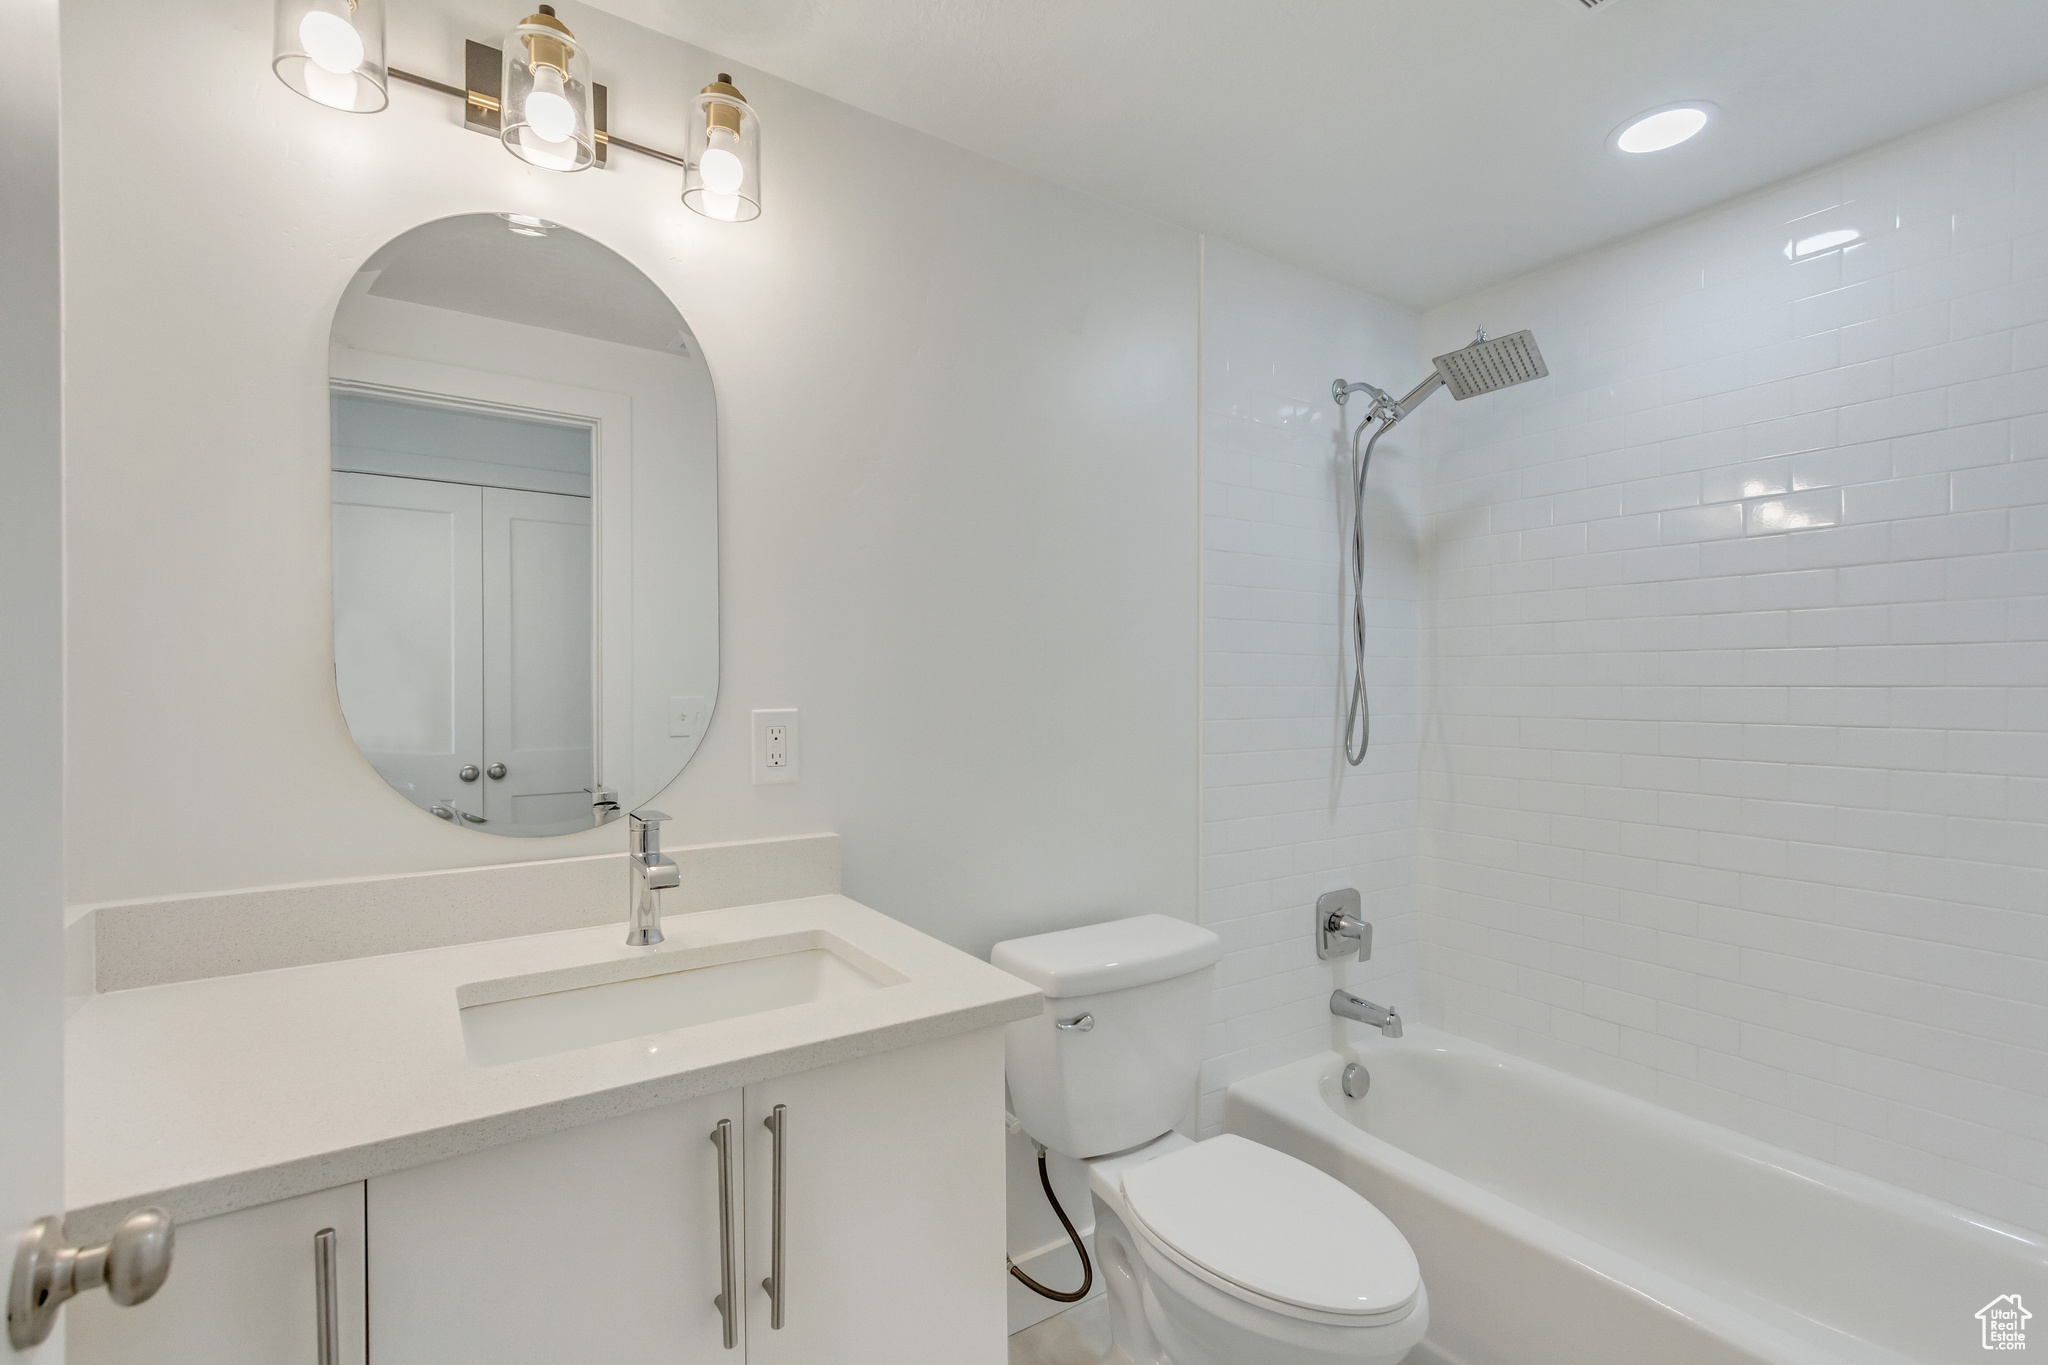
{"points": [[1345, 1005], [651, 873]]}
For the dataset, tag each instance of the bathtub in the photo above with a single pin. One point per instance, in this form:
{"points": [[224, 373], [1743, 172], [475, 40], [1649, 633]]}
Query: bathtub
{"points": [[1560, 1223]]}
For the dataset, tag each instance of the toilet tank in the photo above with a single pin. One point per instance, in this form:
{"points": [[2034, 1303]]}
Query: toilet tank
{"points": [[1130, 1073]]}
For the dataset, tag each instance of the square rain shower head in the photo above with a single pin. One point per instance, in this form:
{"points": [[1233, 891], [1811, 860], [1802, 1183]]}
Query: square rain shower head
{"points": [[1496, 363]]}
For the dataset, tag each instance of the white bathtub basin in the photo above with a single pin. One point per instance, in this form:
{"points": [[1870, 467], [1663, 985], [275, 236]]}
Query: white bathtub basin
{"points": [[577, 1007], [1560, 1223]]}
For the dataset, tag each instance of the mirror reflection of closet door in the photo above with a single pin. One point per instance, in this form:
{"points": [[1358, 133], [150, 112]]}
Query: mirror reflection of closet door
{"points": [[537, 651], [408, 630]]}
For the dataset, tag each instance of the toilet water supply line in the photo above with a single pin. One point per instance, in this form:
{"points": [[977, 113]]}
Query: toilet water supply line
{"points": [[1087, 1268]]}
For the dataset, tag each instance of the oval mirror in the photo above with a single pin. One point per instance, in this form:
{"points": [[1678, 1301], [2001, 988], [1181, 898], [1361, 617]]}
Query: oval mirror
{"points": [[525, 509]]}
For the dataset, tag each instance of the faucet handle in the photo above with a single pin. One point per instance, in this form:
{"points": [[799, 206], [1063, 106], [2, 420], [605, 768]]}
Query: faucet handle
{"points": [[644, 838], [1339, 930]]}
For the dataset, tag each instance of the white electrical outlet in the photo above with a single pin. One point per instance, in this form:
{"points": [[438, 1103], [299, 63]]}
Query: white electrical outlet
{"points": [[686, 716], [775, 746]]}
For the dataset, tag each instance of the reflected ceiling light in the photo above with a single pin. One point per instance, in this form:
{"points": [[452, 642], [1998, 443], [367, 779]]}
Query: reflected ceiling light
{"points": [[526, 225], [534, 95], [332, 51], [723, 177], [1819, 242], [1662, 128]]}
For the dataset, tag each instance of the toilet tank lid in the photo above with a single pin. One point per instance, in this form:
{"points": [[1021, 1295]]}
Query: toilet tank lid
{"points": [[1109, 957]]}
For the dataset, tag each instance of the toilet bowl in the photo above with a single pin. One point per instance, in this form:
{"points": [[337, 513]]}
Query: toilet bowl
{"points": [[1221, 1252], [1227, 1253]]}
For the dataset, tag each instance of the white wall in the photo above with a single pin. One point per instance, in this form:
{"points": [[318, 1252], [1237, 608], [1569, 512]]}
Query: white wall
{"points": [[958, 484], [1283, 817], [31, 636], [1736, 663]]}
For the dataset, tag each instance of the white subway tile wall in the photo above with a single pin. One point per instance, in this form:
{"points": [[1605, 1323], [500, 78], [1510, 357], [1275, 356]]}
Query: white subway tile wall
{"points": [[1283, 819], [1734, 788]]}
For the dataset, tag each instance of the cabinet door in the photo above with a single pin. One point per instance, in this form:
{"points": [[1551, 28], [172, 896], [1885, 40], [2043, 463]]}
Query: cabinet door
{"points": [[598, 1243], [244, 1290], [892, 1219]]}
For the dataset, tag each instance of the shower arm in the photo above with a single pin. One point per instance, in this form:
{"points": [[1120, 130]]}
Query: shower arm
{"points": [[1384, 405], [1414, 398]]}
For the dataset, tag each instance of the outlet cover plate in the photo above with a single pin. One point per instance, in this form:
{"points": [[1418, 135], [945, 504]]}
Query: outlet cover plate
{"points": [[787, 770]]}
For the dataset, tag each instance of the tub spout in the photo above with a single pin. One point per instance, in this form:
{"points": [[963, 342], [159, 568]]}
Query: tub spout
{"points": [[1345, 1005]]}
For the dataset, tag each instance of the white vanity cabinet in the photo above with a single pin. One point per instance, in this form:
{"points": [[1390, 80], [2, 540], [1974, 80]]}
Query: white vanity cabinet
{"points": [[247, 1288], [603, 1242], [892, 1216], [596, 1243]]}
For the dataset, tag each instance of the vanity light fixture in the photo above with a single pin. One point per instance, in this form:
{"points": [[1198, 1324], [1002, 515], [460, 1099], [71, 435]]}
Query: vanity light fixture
{"points": [[544, 115], [332, 52], [535, 96], [723, 178], [1663, 128]]}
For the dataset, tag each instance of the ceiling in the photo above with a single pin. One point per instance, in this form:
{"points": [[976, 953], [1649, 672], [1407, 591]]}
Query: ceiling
{"points": [[1417, 148]]}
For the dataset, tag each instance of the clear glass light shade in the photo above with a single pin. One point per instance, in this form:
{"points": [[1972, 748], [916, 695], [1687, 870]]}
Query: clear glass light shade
{"points": [[545, 120], [723, 179], [332, 52]]}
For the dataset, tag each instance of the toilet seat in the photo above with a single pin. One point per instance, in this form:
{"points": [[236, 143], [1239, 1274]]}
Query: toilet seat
{"points": [[1273, 1231]]}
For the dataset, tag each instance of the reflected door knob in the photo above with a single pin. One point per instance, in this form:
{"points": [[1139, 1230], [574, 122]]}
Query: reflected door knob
{"points": [[469, 773], [497, 772]]}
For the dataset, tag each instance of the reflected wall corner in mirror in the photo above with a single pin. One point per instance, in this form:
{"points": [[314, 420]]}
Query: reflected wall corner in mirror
{"points": [[524, 463]]}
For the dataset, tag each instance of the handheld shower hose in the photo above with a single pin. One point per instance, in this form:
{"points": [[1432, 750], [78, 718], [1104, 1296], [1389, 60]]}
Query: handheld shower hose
{"points": [[1482, 367], [1358, 718]]}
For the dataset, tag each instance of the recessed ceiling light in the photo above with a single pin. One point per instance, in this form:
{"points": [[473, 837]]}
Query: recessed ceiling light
{"points": [[1661, 128]]}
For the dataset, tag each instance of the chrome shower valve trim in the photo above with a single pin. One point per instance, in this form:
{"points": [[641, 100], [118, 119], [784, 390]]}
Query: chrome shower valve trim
{"points": [[1339, 930]]}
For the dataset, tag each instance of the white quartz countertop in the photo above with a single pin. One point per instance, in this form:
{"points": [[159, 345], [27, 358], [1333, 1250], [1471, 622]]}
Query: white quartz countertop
{"points": [[208, 1096]]}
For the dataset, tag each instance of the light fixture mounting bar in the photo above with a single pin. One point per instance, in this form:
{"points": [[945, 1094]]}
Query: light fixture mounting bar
{"points": [[481, 103]]}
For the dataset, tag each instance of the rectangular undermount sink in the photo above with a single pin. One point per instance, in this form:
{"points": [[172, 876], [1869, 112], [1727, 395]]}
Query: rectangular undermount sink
{"points": [[516, 1018]]}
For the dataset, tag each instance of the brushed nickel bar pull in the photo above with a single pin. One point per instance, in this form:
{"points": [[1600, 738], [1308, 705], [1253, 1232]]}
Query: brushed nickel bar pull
{"points": [[728, 1296], [778, 1124], [326, 1299]]}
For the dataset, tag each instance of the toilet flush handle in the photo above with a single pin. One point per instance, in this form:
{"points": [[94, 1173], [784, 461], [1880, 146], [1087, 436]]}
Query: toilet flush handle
{"points": [[1080, 1023]]}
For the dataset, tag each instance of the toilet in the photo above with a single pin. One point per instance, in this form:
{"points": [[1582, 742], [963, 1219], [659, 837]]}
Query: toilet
{"points": [[1222, 1252]]}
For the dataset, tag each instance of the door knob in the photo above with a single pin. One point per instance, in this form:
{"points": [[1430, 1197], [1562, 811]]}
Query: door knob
{"points": [[469, 773], [497, 772], [131, 1266]]}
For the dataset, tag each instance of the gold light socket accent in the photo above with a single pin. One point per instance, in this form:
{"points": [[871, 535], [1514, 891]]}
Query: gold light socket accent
{"points": [[723, 115], [542, 50]]}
